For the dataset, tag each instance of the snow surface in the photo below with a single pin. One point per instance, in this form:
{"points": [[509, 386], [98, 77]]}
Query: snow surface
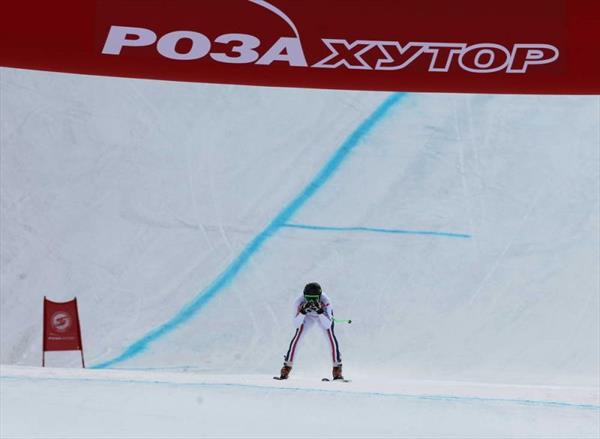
{"points": [[109, 403], [460, 233]]}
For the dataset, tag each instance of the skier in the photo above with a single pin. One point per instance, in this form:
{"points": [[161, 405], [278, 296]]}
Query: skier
{"points": [[313, 308]]}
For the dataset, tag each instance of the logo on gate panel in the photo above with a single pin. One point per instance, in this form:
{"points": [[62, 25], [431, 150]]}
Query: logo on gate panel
{"points": [[61, 321], [360, 54]]}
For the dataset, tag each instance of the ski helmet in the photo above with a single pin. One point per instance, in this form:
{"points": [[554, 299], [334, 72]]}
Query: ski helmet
{"points": [[312, 291]]}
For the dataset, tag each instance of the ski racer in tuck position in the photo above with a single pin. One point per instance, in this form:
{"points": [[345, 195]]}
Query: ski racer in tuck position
{"points": [[313, 308]]}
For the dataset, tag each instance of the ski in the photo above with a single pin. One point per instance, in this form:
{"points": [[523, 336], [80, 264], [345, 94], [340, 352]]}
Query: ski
{"points": [[343, 380]]}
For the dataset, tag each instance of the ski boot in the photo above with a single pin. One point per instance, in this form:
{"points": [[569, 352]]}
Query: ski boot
{"points": [[337, 373], [285, 371]]}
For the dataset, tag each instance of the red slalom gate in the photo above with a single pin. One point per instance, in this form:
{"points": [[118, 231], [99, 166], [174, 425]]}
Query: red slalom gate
{"points": [[62, 331], [508, 46]]}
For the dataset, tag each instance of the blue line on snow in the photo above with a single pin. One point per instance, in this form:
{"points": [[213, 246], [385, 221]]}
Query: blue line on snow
{"points": [[429, 397], [225, 278], [377, 230]]}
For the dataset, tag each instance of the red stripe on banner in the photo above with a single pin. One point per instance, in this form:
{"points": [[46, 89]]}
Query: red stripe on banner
{"points": [[509, 46]]}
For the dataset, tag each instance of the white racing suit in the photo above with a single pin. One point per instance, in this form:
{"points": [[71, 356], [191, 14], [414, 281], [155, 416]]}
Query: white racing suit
{"points": [[303, 323]]}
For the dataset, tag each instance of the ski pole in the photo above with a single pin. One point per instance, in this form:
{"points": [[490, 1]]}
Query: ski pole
{"points": [[342, 321]]}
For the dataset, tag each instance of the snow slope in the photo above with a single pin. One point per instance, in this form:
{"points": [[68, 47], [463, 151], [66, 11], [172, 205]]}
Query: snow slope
{"points": [[82, 403], [458, 232]]}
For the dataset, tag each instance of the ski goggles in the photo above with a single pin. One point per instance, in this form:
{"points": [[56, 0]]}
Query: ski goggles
{"points": [[312, 297]]}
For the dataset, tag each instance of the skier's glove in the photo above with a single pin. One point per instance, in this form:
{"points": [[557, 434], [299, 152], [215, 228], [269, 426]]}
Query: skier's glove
{"points": [[311, 306], [318, 307]]}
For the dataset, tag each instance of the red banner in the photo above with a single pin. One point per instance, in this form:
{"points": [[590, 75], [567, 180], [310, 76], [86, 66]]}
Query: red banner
{"points": [[62, 331], [509, 46]]}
